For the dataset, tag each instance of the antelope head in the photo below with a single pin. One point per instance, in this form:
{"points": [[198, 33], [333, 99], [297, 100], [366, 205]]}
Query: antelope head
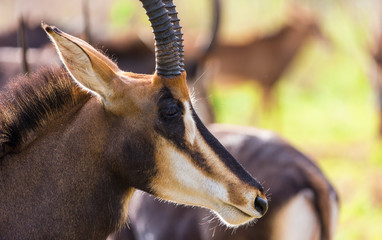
{"points": [[156, 141]]}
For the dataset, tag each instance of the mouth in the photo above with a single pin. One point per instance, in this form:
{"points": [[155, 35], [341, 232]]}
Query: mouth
{"points": [[242, 212], [233, 216]]}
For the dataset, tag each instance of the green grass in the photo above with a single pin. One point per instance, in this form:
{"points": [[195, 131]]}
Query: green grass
{"points": [[121, 13]]}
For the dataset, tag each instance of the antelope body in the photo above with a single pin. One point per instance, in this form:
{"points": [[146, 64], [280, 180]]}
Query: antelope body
{"points": [[293, 182], [264, 59], [75, 144]]}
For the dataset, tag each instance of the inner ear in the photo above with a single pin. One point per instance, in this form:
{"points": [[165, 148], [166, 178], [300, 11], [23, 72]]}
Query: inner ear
{"points": [[90, 68]]}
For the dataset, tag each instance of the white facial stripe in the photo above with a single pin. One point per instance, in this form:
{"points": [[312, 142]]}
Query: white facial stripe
{"points": [[186, 184], [189, 123]]}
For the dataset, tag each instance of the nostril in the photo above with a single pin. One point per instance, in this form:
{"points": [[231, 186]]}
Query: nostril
{"points": [[261, 205]]}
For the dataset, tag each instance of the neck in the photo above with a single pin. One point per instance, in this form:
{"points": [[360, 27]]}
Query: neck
{"points": [[69, 183], [29, 104]]}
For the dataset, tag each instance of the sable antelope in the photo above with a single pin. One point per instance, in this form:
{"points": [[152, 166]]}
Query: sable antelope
{"points": [[75, 144], [264, 59], [303, 204], [31, 39]]}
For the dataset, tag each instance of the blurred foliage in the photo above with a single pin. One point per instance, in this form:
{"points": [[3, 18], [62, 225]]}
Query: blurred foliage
{"points": [[121, 13], [327, 108]]}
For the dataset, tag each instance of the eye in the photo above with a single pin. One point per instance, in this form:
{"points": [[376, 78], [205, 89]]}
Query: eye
{"points": [[171, 111]]}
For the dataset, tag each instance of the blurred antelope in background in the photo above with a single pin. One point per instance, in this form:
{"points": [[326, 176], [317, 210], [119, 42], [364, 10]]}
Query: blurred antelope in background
{"points": [[133, 52], [75, 144], [303, 204], [24, 50], [264, 59]]}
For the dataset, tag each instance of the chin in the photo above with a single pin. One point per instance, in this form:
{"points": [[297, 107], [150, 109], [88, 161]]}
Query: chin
{"points": [[233, 217]]}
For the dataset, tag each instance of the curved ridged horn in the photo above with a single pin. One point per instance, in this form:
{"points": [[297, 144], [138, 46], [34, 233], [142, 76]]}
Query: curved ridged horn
{"points": [[167, 57], [170, 6]]}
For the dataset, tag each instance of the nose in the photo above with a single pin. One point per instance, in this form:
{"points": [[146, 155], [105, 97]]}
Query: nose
{"points": [[261, 205]]}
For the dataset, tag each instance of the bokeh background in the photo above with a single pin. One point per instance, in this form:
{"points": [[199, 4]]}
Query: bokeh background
{"points": [[325, 103]]}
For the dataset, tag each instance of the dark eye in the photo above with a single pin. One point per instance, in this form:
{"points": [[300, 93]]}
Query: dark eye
{"points": [[171, 111]]}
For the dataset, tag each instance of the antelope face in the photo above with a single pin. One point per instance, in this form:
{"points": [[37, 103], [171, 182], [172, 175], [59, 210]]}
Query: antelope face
{"points": [[156, 141], [193, 167], [182, 162]]}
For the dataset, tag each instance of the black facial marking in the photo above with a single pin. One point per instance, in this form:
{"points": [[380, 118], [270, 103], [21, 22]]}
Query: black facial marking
{"points": [[171, 126], [170, 110], [139, 161], [170, 117], [223, 154]]}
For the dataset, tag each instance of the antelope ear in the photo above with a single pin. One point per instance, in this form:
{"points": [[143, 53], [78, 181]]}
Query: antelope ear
{"points": [[93, 70]]}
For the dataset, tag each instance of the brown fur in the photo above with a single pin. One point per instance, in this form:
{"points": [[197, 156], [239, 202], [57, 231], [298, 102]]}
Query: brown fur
{"points": [[177, 85], [30, 103]]}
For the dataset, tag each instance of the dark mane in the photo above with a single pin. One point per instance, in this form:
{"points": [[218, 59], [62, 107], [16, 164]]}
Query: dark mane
{"points": [[30, 102]]}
